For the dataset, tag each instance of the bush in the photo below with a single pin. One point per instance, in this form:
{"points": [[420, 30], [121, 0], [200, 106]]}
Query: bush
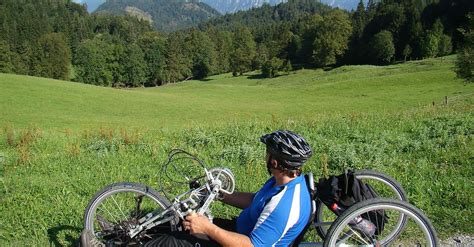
{"points": [[271, 67]]}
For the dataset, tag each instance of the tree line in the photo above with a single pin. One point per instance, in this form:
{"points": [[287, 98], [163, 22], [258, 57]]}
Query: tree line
{"points": [[59, 39]]}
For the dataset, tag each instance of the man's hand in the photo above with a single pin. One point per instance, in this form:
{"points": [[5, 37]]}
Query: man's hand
{"points": [[197, 224]]}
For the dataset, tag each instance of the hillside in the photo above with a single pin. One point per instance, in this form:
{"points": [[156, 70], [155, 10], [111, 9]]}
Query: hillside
{"points": [[164, 15], [60, 142], [304, 94], [232, 6], [267, 17]]}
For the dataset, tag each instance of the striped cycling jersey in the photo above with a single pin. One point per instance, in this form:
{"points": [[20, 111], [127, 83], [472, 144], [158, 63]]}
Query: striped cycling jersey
{"points": [[277, 214]]}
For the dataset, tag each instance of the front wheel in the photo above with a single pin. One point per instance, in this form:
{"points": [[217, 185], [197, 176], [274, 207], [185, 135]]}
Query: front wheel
{"points": [[418, 230], [116, 209]]}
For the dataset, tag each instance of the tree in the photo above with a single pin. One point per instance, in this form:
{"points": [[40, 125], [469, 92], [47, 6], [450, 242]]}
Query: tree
{"points": [[94, 62], [355, 53], [410, 32], [294, 48], [244, 51], [406, 52], [153, 46], [201, 51], [262, 55], [178, 64], [271, 67], [429, 45], [359, 20], [465, 59], [6, 65], [382, 47], [445, 47], [53, 57], [332, 37], [223, 48], [134, 66]]}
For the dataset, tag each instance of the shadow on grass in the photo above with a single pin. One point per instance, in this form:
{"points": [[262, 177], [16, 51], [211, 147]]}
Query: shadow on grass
{"points": [[64, 235], [256, 76], [206, 79]]}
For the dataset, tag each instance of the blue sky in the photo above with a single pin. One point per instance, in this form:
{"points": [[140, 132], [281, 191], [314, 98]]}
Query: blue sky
{"points": [[91, 4]]}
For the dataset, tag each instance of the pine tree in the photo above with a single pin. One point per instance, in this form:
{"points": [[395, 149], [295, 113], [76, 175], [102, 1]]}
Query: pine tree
{"points": [[359, 20], [6, 65], [465, 59]]}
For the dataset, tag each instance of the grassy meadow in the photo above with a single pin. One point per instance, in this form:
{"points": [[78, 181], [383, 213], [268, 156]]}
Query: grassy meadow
{"points": [[60, 142]]}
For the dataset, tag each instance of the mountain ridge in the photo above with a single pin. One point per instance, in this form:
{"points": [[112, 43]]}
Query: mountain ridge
{"points": [[232, 6], [163, 15]]}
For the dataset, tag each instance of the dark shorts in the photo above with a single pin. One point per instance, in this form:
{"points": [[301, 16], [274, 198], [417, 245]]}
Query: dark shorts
{"points": [[184, 239]]}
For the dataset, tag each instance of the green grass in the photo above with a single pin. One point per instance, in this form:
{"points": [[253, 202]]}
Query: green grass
{"points": [[61, 142], [305, 94]]}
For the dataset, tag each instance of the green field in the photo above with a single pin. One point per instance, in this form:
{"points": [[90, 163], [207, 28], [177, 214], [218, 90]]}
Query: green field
{"points": [[60, 142], [305, 94]]}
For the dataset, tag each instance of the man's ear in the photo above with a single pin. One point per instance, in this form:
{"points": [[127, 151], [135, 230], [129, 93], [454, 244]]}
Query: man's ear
{"points": [[274, 163]]}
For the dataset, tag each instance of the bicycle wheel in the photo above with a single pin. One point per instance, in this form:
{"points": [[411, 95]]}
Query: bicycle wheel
{"points": [[417, 232], [384, 185], [115, 210]]}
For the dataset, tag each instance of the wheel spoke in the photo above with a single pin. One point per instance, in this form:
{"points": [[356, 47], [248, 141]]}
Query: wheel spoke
{"points": [[118, 206], [418, 230], [114, 212]]}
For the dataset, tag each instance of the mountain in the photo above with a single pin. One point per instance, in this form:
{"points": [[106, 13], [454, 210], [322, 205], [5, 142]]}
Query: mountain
{"points": [[262, 19], [232, 6], [164, 15]]}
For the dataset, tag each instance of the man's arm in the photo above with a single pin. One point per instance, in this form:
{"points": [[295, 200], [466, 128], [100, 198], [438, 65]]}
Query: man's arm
{"points": [[239, 199], [198, 224]]}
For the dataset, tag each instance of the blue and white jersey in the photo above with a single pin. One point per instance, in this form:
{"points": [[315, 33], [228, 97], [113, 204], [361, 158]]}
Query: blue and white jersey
{"points": [[277, 214]]}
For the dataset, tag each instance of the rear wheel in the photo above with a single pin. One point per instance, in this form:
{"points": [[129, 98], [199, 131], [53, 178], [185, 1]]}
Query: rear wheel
{"points": [[417, 232], [384, 185], [116, 209]]}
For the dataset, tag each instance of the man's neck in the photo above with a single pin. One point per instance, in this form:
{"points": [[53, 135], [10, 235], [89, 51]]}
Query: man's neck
{"points": [[281, 179]]}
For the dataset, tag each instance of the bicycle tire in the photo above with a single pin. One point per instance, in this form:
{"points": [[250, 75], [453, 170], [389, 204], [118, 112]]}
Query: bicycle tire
{"points": [[342, 229], [365, 175], [117, 193]]}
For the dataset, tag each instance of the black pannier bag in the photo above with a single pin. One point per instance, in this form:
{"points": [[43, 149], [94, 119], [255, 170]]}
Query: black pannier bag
{"points": [[344, 191]]}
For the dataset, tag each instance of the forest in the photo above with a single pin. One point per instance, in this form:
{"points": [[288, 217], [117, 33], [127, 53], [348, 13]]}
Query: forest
{"points": [[59, 39]]}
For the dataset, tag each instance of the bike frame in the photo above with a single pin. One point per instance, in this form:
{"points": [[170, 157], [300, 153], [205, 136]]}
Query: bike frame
{"points": [[199, 198]]}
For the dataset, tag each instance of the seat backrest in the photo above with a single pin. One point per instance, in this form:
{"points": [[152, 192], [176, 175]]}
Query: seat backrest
{"points": [[312, 193]]}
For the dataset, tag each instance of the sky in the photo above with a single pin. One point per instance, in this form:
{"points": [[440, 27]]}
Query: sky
{"points": [[91, 4]]}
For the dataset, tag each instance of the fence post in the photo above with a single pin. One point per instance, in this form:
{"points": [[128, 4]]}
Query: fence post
{"points": [[446, 100]]}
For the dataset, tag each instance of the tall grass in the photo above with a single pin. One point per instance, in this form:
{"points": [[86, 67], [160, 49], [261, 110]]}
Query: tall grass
{"points": [[429, 151]]}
